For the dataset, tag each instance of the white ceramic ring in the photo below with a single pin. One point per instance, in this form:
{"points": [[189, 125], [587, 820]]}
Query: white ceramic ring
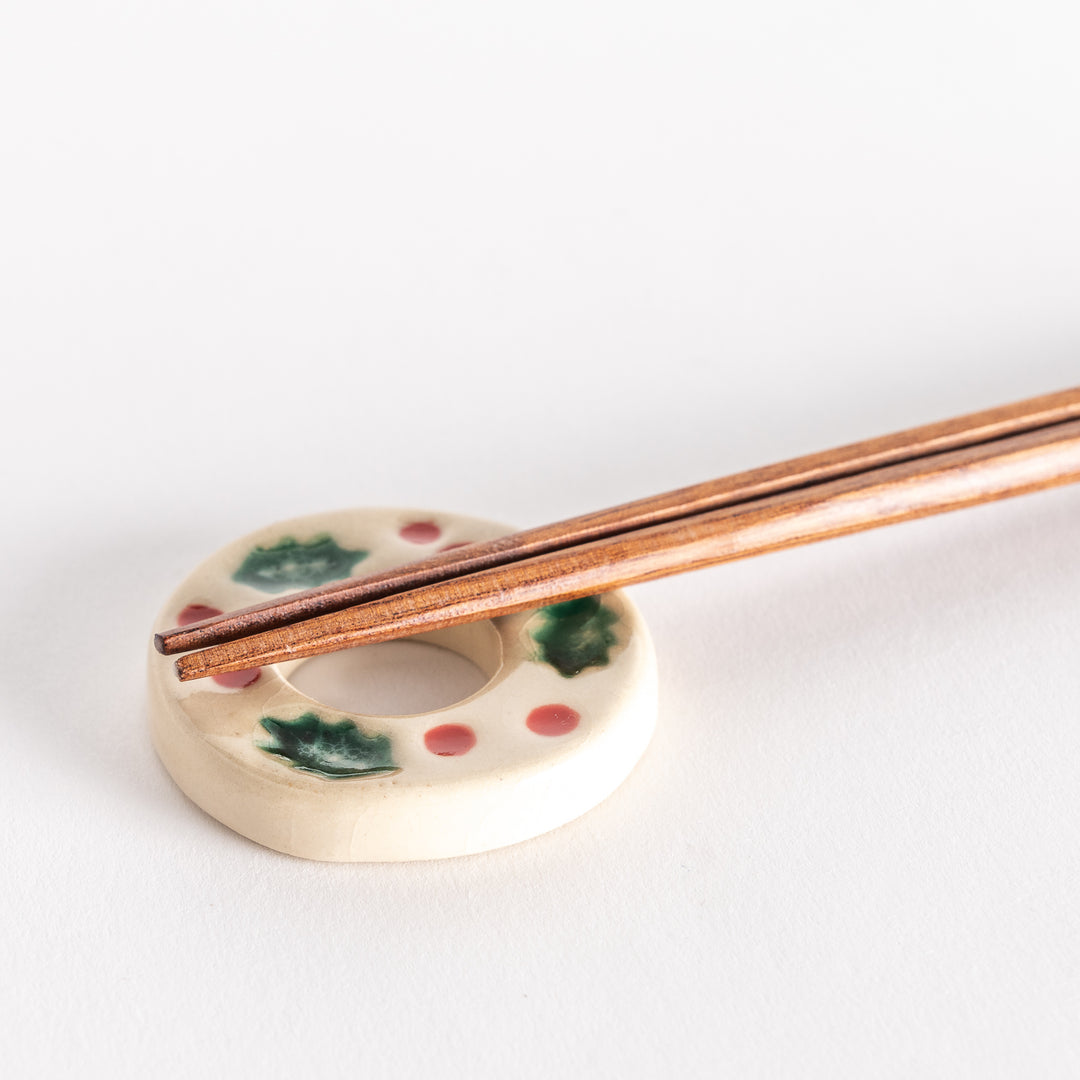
{"points": [[568, 709]]}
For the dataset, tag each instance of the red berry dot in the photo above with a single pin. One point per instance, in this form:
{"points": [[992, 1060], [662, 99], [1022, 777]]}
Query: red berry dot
{"points": [[460, 543], [552, 720], [420, 532], [449, 740], [237, 680], [196, 613]]}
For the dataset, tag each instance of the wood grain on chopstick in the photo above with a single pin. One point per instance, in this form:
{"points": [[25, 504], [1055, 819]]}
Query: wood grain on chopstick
{"points": [[963, 431], [945, 481]]}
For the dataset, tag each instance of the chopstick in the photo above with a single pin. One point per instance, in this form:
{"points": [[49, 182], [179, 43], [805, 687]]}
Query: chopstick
{"points": [[962, 431], [934, 483]]}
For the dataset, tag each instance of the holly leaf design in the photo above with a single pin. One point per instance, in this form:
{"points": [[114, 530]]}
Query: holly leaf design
{"points": [[295, 564], [575, 635], [329, 749]]}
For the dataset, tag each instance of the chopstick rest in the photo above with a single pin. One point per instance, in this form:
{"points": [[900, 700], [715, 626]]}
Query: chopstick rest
{"points": [[568, 709]]}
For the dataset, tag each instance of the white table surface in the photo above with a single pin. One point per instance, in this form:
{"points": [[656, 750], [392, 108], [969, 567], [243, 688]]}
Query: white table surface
{"points": [[523, 261]]}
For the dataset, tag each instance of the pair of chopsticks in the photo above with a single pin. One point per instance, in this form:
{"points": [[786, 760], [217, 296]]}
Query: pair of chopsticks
{"points": [[1012, 450]]}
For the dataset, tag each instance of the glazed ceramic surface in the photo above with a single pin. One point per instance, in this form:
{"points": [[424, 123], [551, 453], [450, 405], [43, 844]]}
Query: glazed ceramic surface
{"points": [[568, 709]]}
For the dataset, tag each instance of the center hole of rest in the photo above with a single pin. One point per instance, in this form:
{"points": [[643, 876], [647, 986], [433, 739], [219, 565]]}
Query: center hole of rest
{"points": [[394, 678]]}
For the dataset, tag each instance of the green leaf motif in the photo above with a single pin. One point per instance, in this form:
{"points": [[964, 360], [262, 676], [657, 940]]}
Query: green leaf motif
{"points": [[314, 745], [575, 635], [292, 564]]}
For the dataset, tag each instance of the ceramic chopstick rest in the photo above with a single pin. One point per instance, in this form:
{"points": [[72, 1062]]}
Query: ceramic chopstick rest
{"points": [[568, 709]]}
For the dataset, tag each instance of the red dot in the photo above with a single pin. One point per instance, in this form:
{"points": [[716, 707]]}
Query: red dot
{"points": [[237, 680], [420, 532], [196, 613], [552, 720], [460, 543], [449, 740]]}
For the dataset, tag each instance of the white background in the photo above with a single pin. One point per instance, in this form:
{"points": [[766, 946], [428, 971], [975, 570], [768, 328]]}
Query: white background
{"points": [[522, 261]]}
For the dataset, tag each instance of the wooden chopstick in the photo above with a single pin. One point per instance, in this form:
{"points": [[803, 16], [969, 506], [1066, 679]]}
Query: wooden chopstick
{"points": [[963, 431], [939, 482]]}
